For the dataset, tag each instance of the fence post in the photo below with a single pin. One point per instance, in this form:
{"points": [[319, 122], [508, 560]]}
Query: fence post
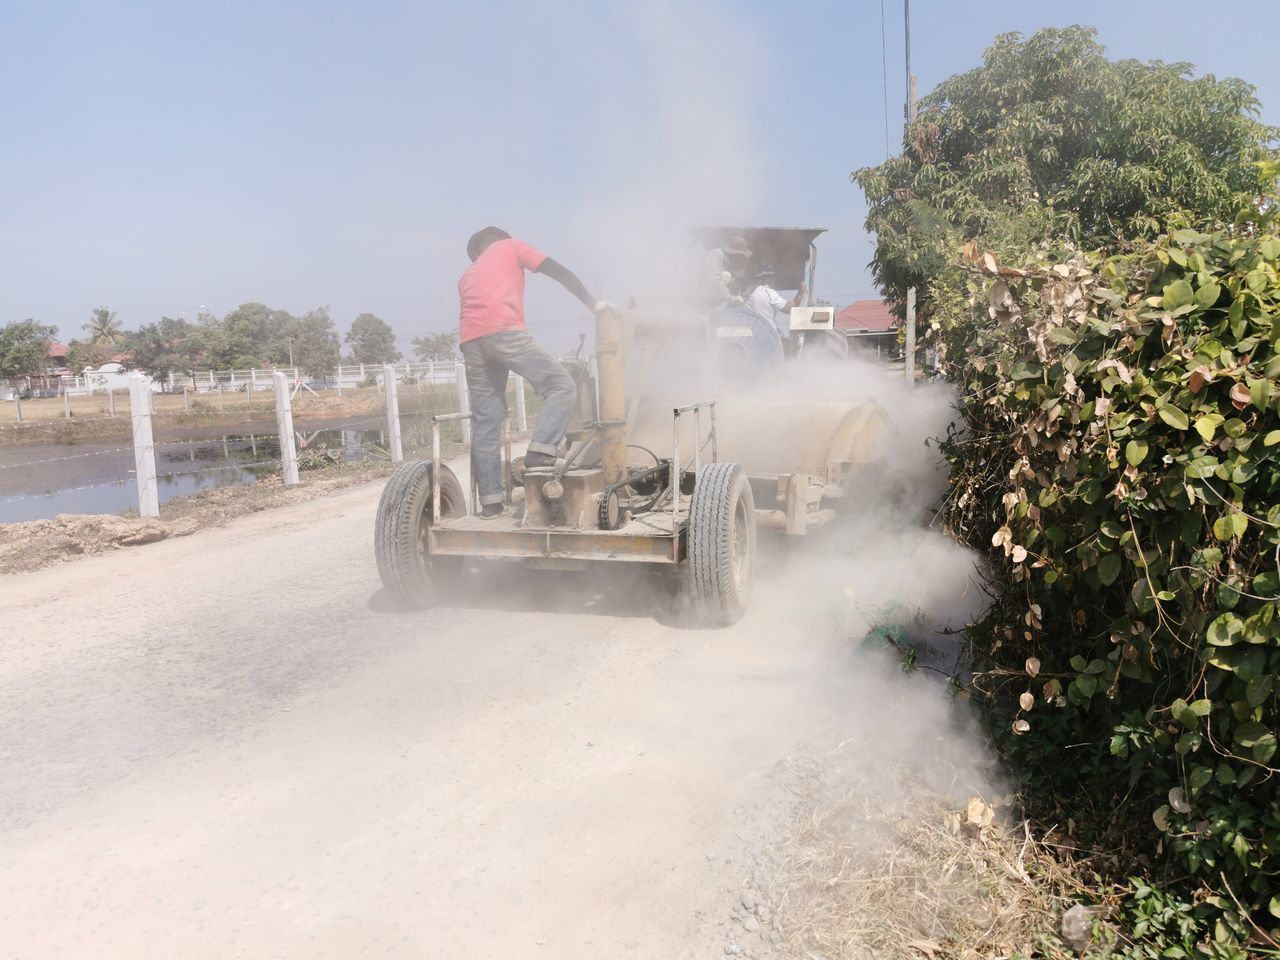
{"points": [[111, 399], [464, 399], [66, 403], [522, 420], [339, 379], [144, 448], [17, 402], [393, 414], [284, 424], [186, 398]]}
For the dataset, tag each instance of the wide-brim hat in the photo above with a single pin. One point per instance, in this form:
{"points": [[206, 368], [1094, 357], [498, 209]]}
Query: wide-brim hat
{"points": [[737, 245], [478, 238]]}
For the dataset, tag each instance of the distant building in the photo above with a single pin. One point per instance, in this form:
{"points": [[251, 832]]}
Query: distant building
{"points": [[871, 325], [109, 376], [867, 316], [55, 362]]}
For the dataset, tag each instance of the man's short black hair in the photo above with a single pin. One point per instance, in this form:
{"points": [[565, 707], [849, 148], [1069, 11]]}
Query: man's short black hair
{"points": [[482, 238]]}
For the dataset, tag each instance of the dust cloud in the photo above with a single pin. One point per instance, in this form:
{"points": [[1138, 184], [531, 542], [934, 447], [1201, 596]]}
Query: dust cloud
{"points": [[886, 581], [690, 159], [687, 158], [854, 605], [865, 857]]}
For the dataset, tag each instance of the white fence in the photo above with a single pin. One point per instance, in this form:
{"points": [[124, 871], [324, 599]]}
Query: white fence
{"points": [[346, 375], [343, 376], [402, 423]]}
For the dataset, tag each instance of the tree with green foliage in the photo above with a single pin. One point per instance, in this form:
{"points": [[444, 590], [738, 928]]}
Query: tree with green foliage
{"points": [[87, 353], [103, 328], [372, 340], [436, 347], [1050, 140], [24, 348], [170, 346], [213, 345], [254, 335], [315, 343]]}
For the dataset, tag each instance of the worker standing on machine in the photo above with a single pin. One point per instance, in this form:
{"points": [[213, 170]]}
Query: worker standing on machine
{"points": [[494, 342]]}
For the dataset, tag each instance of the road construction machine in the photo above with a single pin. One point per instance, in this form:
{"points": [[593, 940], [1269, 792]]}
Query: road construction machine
{"points": [[657, 472]]}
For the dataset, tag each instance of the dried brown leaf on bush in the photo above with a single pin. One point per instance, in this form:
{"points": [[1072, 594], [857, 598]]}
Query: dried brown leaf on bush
{"points": [[1104, 393]]}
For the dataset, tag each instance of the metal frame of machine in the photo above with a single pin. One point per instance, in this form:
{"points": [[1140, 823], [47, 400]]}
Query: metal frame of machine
{"points": [[654, 534]]}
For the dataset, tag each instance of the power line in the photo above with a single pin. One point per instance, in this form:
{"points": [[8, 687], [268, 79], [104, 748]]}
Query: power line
{"points": [[884, 80]]}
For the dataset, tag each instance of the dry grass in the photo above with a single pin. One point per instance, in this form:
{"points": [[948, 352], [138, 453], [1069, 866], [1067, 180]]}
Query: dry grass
{"points": [[921, 877]]}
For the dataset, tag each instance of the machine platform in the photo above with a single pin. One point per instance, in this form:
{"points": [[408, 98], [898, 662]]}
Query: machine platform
{"points": [[650, 538]]}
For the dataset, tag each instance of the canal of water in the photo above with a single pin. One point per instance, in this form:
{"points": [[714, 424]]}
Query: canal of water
{"points": [[43, 480]]}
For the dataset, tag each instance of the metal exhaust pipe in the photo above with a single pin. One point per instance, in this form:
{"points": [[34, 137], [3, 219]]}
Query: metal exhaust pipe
{"points": [[611, 373]]}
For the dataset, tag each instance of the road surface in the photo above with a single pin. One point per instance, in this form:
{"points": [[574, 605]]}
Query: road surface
{"points": [[228, 746]]}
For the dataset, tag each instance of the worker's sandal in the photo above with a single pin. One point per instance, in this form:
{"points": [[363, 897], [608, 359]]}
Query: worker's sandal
{"points": [[535, 459]]}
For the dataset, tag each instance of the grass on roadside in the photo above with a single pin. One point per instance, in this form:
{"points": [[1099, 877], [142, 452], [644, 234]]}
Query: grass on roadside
{"points": [[921, 878]]}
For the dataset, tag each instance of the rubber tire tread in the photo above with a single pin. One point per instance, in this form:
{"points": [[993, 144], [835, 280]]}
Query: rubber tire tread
{"points": [[406, 500], [716, 492]]}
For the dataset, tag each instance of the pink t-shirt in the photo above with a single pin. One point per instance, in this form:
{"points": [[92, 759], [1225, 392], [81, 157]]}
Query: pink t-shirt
{"points": [[492, 289]]}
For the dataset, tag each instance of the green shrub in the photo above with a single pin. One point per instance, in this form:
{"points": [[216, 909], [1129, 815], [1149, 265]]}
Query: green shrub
{"points": [[1121, 458]]}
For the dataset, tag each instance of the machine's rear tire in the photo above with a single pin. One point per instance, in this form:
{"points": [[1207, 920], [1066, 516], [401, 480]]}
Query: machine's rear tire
{"points": [[408, 573], [721, 544]]}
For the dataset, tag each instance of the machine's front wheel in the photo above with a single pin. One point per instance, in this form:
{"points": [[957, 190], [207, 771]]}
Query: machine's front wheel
{"points": [[721, 544], [409, 574]]}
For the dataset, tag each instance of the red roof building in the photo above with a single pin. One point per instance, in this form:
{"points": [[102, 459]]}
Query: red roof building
{"points": [[871, 316]]}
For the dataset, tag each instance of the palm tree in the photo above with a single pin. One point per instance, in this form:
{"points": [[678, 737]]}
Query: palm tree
{"points": [[103, 327]]}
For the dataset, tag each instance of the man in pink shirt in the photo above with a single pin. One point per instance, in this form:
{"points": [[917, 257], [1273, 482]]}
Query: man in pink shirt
{"points": [[494, 342]]}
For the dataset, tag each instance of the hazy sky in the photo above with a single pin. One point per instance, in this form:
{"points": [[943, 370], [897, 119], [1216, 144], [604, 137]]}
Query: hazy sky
{"points": [[160, 157]]}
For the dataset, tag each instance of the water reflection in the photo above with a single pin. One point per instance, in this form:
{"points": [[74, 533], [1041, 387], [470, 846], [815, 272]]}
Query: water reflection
{"points": [[42, 481]]}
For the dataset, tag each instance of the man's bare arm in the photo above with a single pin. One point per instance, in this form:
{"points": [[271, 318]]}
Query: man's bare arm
{"points": [[567, 279]]}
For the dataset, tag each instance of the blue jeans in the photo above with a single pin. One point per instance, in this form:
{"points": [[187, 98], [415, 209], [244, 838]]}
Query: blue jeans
{"points": [[488, 361]]}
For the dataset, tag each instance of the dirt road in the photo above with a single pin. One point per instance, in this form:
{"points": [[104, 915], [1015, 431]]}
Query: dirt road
{"points": [[227, 746]]}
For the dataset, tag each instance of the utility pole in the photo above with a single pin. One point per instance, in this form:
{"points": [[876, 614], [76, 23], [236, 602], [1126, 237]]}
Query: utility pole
{"points": [[910, 111]]}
